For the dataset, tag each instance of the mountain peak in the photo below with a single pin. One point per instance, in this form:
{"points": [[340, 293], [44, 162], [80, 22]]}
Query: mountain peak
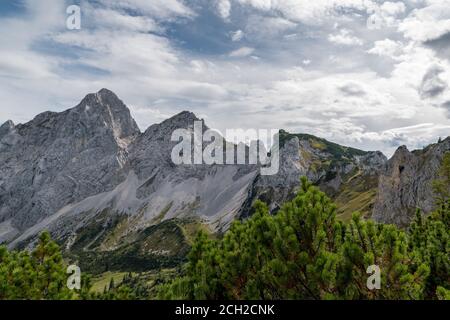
{"points": [[183, 119], [107, 96], [445, 140], [107, 105], [185, 115], [104, 97], [6, 127], [106, 92]]}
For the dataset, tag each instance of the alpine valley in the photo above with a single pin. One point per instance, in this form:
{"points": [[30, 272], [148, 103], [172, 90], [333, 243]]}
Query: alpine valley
{"points": [[112, 197]]}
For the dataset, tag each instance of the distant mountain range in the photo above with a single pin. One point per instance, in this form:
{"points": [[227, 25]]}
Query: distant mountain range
{"points": [[104, 189]]}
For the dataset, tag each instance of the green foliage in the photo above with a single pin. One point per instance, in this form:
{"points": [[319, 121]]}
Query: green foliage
{"points": [[38, 275], [132, 287], [430, 243], [367, 243], [443, 294], [303, 252]]}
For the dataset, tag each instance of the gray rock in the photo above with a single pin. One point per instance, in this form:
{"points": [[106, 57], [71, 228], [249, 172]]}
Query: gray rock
{"points": [[61, 158], [405, 183], [6, 128]]}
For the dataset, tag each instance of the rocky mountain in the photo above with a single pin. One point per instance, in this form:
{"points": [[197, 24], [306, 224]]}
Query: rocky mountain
{"points": [[107, 191], [405, 183], [348, 175], [59, 159], [67, 171]]}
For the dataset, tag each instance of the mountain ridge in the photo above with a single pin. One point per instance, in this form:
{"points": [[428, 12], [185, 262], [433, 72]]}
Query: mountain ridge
{"points": [[91, 168]]}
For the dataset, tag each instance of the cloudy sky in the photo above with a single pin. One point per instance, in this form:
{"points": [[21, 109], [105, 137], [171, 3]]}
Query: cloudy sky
{"points": [[369, 74]]}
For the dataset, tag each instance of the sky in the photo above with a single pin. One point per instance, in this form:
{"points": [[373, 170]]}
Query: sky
{"points": [[364, 73]]}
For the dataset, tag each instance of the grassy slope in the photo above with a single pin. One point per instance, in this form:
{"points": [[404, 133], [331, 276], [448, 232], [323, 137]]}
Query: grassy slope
{"points": [[101, 281], [358, 193], [148, 279], [105, 246]]}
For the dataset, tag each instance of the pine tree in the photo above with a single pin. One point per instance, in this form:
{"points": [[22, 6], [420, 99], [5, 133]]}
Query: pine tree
{"points": [[50, 269], [385, 246], [111, 285], [39, 275], [442, 293], [429, 242]]}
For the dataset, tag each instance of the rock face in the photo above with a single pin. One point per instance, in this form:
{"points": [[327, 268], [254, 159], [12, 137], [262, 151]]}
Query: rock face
{"points": [[213, 192], [61, 158], [90, 177], [406, 183]]}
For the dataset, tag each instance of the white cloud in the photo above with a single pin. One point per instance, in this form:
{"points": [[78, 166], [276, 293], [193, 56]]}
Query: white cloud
{"points": [[315, 12], [23, 64], [387, 48], [242, 52], [130, 54], [237, 35], [203, 66], [386, 15], [161, 9], [345, 37], [427, 23], [258, 27], [392, 8], [414, 65], [223, 8], [352, 89], [115, 20]]}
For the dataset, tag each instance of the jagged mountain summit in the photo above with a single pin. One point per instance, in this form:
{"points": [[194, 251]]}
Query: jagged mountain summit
{"points": [[58, 159], [90, 177]]}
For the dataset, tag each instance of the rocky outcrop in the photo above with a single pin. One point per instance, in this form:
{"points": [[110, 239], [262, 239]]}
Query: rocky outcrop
{"points": [[405, 183]]}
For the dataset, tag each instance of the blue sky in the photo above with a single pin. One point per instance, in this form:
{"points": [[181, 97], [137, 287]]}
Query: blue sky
{"points": [[11, 8], [365, 73]]}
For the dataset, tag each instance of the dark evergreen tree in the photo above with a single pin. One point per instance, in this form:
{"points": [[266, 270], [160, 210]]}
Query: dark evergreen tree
{"points": [[38, 275]]}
